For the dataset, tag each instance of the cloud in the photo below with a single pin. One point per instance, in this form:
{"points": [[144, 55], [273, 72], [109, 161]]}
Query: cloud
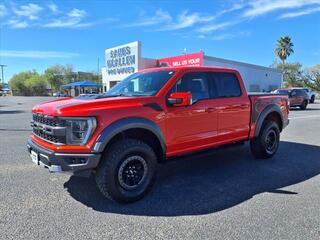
{"points": [[32, 15], [3, 10], [234, 7], [17, 24], [300, 13], [216, 26], [261, 7], [75, 23], [160, 16], [59, 23], [228, 36], [53, 8], [30, 11], [77, 13], [185, 20], [36, 54]]}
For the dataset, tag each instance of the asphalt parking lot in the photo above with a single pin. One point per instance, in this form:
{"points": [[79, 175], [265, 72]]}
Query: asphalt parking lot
{"points": [[223, 195]]}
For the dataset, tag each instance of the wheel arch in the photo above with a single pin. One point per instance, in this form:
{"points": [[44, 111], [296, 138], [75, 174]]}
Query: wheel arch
{"points": [[272, 113], [133, 127]]}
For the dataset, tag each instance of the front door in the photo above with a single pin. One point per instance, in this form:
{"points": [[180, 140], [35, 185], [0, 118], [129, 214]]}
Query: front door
{"points": [[192, 127]]}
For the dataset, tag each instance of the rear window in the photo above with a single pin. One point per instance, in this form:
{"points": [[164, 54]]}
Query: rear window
{"points": [[224, 85]]}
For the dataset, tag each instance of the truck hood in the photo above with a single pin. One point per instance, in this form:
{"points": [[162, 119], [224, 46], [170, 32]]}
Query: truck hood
{"points": [[86, 107]]}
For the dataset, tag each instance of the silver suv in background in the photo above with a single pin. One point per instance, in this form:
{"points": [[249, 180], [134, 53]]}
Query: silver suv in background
{"points": [[311, 94]]}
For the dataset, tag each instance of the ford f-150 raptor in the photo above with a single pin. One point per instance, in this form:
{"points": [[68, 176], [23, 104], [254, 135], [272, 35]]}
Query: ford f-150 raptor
{"points": [[153, 115]]}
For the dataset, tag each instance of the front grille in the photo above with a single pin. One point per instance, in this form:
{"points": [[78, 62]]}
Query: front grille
{"points": [[46, 120], [45, 127]]}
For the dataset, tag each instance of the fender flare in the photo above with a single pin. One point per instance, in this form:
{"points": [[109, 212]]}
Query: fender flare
{"points": [[125, 124], [262, 116]]}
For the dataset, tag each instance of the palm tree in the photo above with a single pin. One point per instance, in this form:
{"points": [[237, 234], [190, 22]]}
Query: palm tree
{"points": [[284, 48]]}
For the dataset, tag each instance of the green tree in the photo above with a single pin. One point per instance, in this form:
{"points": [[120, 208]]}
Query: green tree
{"points": [[293, 75], [284, 48], [68, 73], [36, 85], [58, 74], [18, 82], [312, 77], [54, 76]]}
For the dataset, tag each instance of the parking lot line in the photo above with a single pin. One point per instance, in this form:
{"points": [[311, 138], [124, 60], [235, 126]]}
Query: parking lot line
{"points": [[303, 117]]}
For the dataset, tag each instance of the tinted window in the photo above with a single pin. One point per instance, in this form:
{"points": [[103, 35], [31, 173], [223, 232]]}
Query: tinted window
{"points": [[294, 93], [301, 92], [196, 83], [224, 85]]}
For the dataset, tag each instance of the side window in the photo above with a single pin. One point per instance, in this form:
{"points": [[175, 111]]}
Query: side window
{"points": [[302, 93], [224, 85], [196, 83]]}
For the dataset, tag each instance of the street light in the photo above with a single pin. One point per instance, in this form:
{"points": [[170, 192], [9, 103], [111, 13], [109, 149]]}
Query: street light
{"points": [[2, 66]]}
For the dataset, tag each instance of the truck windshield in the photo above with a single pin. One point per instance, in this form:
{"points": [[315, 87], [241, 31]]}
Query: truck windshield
{"points": [[141, 84]]}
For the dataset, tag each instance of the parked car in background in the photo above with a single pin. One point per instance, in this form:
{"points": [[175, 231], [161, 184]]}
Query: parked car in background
{"points": [[58, 94], [298, 97], [311, 94], [5, 91]]}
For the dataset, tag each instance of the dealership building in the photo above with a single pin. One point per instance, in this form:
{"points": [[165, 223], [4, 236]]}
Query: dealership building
{"points": [[121, 61]]}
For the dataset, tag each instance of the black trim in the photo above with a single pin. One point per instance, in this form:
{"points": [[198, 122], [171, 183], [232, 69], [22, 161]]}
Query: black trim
{"points": [[266, 94], [48, 158], [126, 124], [154, 106], [262, 116]]}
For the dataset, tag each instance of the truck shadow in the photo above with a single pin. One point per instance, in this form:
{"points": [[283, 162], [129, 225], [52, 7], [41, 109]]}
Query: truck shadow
{"points": [[210, 183]]}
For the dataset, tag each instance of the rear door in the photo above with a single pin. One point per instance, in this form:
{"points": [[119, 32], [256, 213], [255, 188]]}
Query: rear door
{"points": [[232, 105], [295, 98]]}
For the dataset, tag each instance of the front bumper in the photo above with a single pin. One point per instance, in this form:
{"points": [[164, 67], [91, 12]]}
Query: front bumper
{"points": [[77, 163]]}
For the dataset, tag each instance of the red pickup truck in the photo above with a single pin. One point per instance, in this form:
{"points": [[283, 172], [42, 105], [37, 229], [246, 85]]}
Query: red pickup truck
{"points": [[153, 115]]}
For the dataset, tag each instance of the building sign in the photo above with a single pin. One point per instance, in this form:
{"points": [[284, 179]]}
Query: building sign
{"points": [[192, 59], [122, 61]]}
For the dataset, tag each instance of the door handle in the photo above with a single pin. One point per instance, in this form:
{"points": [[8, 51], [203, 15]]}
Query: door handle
{"points": [[210, 109], [243, 106]]}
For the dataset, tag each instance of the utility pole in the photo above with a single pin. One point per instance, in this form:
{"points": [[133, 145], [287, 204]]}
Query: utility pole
{"points": [[98, 67], [2, 66]]}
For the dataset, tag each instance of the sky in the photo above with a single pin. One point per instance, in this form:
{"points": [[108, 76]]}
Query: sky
{"points": [[38, 34]]}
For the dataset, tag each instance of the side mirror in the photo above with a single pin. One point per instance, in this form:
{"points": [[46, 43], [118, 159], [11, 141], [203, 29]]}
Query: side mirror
{"points": [[180, 99]]}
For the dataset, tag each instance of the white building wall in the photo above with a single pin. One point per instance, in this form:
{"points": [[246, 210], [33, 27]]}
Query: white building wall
{"points": [[256, 78], [105, 82]]}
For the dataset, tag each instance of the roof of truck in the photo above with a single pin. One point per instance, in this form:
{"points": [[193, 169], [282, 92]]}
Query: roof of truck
{"points": [[203, 68]]}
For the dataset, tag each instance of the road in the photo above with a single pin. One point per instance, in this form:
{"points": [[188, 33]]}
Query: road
{"points": [[222, 195]]}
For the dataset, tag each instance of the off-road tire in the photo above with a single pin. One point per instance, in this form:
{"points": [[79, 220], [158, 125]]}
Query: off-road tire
{"points": [[304, 105], [108, 174], [259, 145], [312, 99]]}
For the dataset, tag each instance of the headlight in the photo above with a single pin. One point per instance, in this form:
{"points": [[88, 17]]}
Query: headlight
{"points": [[79, 130]]}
